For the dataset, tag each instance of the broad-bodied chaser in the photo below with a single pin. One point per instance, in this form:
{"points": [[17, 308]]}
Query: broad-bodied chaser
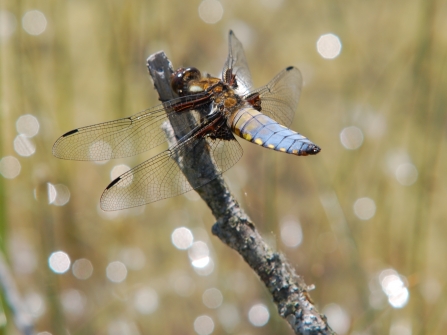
{"points": [[221, 107]]}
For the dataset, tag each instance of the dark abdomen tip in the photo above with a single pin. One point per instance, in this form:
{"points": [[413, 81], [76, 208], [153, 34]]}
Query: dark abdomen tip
{"points": [[313, 149]]}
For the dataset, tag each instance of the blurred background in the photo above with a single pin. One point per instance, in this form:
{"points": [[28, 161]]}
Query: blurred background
{"points": [[363, 221]]}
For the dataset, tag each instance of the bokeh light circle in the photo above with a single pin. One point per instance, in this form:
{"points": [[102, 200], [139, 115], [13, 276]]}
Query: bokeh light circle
{"points": [[8, 24], [82, 269], [211, 11], [364, 208], [182, 238], [35, 304], [201, 269], [10, 167], [406, 174], [24, 146], [337, 318], [329, 46], [133, 258], [258, 315], [351, 137], [199, 254], [27, 125], [62, 195], [59, 262], [73, 302], [51, 190], [116, 272], [394, 287], [291, 233], [120, 326], [229, 317], [184, 285], [203, 325], [400, 299], [401, 327], [146, 300], [34, 22], [212, 298]]}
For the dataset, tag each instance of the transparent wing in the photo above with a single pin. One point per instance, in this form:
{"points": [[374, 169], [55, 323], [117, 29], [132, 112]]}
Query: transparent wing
{"points": [[237, 62], [161, 176], [124, 137], [279, 98]]}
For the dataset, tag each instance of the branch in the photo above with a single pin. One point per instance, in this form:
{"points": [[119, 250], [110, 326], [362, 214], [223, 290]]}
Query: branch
{"points": [[235, 229]]}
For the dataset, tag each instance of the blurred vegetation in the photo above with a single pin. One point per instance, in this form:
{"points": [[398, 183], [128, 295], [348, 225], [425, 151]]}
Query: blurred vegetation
{"points": [[88, 66]]}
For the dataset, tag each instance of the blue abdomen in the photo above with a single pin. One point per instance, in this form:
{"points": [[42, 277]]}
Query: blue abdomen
{"points": [[258, 128]]}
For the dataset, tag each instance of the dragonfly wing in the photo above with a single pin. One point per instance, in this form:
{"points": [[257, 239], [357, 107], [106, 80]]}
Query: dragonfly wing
{"points": [[225, 149], [279, 98], [163, 176], [237, 63], [124, 137]]}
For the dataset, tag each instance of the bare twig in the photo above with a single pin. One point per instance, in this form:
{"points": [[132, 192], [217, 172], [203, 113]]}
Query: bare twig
{"points": [[22, 319], [236, 230]]}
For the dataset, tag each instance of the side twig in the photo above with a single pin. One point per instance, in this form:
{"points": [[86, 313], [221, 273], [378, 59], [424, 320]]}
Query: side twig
{"points": [[235, 229]]}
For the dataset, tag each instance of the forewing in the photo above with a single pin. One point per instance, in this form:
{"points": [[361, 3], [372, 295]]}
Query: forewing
{"points": [[162, 177], [121, 138], [237, 62], [279, 98]]}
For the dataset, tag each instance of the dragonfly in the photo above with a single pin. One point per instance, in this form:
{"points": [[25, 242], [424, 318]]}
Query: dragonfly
{"points": [[221, 107]]}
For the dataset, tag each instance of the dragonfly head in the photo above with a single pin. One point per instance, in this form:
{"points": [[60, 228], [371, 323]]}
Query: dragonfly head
{"points": [[181, 78]]}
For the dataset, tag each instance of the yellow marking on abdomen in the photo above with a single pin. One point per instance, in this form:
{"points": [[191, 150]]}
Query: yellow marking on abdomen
{"points": [[282, 149], [247, 136], [258, 141], [271, 146]]}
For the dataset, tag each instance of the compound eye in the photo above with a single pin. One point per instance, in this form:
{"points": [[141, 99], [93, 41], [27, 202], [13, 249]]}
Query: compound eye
{"points": [[177, 80], [191, 73], [181, 78]]}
